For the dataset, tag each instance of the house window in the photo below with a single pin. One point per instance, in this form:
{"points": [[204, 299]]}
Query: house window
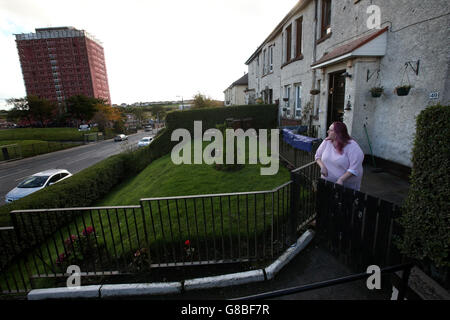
{"points": [[264, 62], [287, 97], [298, 42], [271, 58], [326, 18], [298, 100], [288, 42]]}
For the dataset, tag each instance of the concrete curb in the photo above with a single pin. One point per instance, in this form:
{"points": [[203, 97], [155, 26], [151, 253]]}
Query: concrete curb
{"points": [[226, 280], [140, 289], [289, 254], [86, 292]]}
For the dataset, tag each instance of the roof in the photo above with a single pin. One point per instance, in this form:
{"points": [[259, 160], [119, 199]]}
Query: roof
{"points": [[242, 81], [299, 6], [349, 47]]}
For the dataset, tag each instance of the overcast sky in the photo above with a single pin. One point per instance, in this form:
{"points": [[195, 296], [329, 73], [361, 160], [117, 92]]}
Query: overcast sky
{"points": [[154, 49]]}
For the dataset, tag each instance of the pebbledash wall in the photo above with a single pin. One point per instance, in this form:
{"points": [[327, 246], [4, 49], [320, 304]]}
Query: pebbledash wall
{"points": [[410, 31]]}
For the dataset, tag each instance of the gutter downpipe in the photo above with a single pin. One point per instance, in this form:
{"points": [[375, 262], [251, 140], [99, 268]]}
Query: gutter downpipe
{"points": [[315, 108]]}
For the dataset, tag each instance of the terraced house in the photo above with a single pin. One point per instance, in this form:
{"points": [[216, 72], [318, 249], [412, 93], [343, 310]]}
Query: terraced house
{"points": [[321, 61]]}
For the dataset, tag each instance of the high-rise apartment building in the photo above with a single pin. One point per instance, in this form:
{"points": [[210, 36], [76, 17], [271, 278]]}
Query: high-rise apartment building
{"points": [[58, 63]]}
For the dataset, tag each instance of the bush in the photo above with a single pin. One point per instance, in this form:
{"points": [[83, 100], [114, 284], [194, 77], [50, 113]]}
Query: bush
{"points": [[426, 219]]}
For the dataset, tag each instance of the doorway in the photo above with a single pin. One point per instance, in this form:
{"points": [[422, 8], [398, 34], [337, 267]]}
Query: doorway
{"points": [[336, 97]]}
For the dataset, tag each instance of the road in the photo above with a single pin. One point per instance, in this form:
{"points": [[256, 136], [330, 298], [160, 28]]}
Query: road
{"points": [[73, 159]]}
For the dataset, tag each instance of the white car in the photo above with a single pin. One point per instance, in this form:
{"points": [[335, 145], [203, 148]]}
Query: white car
{"points": [[121, 137], [145, 141], [37, 182]]}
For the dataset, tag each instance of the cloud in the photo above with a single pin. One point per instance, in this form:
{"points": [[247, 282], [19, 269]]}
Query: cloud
{"points": [[154, 50]]}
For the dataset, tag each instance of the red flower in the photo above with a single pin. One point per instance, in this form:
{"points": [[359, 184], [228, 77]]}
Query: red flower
{"points": [[69, 241], [88, 231], [187, 243], [60, 258]]}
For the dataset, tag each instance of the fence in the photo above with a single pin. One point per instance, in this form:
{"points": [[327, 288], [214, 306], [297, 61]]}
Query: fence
{"points": [[19, 151], [160, 232], [197, 230], [358, 228]]}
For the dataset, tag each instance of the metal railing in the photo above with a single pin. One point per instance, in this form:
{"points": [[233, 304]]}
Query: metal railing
{"points": [[406, 268], [160, 232]]}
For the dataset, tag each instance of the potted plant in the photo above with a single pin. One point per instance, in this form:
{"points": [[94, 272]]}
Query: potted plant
{"points": [[314, 91], [402, 90], [376, 91]]}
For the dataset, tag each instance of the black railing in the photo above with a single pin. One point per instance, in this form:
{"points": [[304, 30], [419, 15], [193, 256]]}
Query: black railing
{"points": [[160, 232], [406, 268], [358, 228]]}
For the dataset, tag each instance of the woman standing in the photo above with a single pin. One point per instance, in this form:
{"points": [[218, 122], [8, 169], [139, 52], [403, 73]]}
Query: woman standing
{"points": [[340, 158]]}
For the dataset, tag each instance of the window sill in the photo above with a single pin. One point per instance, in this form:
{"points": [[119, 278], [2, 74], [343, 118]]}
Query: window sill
{"points": [[300, 57], [325, 37]]}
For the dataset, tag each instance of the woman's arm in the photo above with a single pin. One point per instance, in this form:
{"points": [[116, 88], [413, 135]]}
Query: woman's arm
{"points": [[318, 156], [323, 168], [344, 177]]}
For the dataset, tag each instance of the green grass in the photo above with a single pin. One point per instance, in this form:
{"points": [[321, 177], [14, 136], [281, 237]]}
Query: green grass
{"points": [[164, 179], [30, 148], [169, 223], [46, 134]]}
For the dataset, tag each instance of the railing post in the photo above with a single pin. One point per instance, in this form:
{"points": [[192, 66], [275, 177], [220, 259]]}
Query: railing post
{"points": [[404, 283], [292, 219]]}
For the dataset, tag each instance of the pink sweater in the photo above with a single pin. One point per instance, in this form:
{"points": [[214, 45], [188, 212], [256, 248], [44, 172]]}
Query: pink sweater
{"points": [[337, 164]]}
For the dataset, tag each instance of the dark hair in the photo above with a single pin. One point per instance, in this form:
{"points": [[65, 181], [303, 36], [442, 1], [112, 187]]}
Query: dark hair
{"points": [[342, 136]]}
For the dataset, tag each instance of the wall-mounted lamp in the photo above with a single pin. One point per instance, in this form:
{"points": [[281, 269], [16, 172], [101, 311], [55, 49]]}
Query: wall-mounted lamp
{"points": [[349, 106], [346, 74]]}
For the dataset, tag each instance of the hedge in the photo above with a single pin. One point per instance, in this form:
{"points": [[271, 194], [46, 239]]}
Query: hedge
{"points": [[426, 216], [93, 183]]}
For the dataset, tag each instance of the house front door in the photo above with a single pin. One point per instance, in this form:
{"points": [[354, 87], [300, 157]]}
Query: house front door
{"points": [[336, 97]]}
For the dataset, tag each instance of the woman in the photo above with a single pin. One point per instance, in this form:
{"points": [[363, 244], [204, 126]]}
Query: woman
{"points": [[340, 158]]}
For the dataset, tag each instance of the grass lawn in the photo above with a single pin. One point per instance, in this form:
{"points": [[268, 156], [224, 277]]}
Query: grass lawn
{"points": [[164, 179], [213, 225]]}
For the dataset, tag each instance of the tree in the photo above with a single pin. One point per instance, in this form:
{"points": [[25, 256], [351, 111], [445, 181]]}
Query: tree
{"points": [[104, 115], [41, 109], [202, 101], [20, 110], [31, 109], [158, 112], [81, 107]]}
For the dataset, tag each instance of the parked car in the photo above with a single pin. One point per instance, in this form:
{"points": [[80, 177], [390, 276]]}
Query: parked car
{"points": [[148, 128], [37, 182], [121, 137], [84, 127], [145, 141]]}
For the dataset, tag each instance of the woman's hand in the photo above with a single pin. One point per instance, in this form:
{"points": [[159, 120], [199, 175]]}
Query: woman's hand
{"points": [[323, 168], [324, 171]]}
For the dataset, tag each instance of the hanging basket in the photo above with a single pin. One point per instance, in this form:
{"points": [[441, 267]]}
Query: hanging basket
{"points": [[314, 92], [376, 91], [402, 90]]}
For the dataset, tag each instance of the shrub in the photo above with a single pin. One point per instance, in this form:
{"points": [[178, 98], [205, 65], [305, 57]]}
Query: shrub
{"points": [[426, 219]]}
